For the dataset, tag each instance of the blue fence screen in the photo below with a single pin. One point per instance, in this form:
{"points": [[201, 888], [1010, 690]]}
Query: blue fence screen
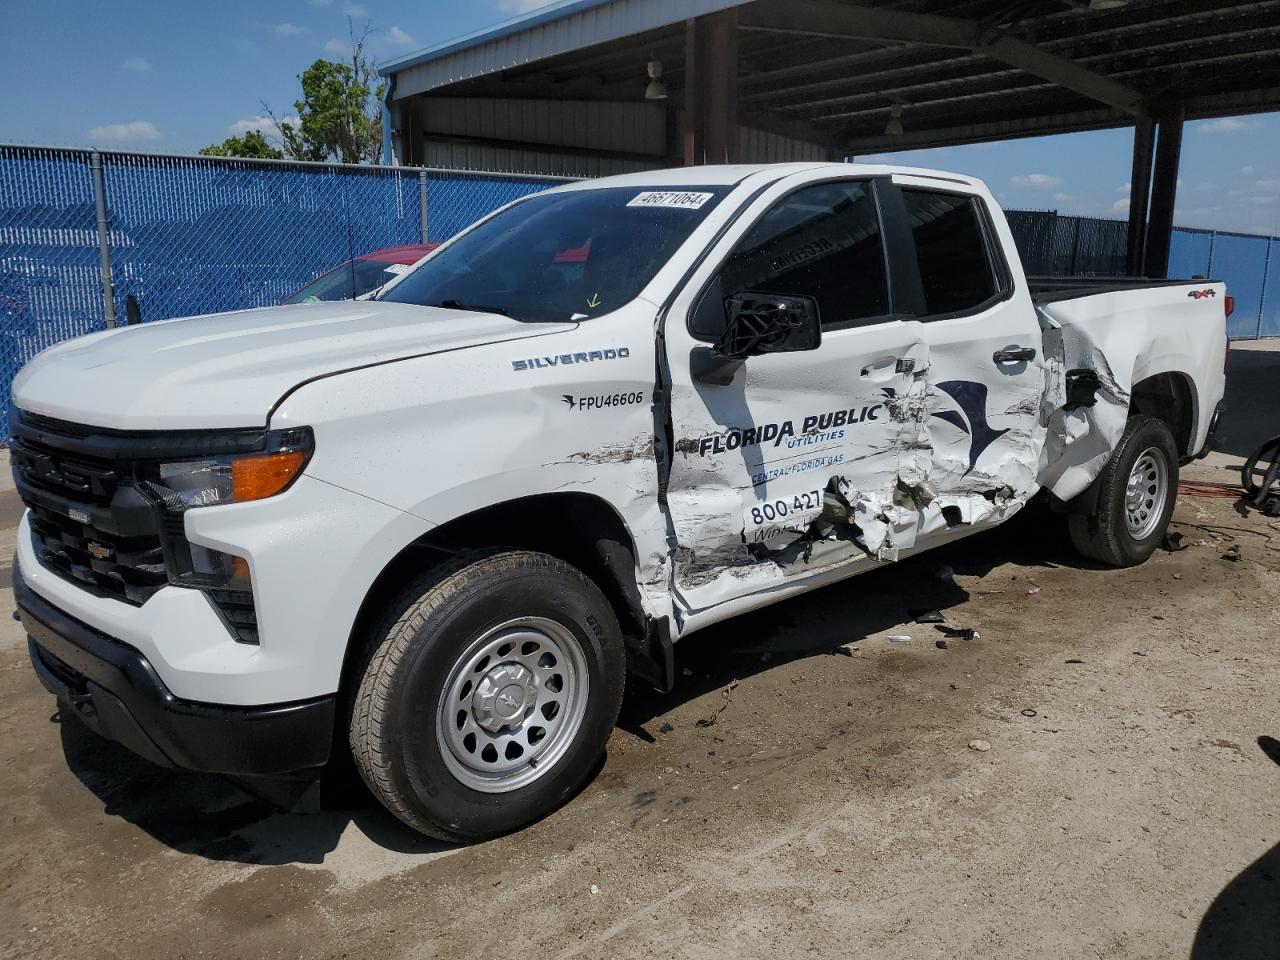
{"points": [[193, 235]]}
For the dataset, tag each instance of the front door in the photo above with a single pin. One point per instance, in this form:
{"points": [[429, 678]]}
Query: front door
{"points": [[788, 464]]}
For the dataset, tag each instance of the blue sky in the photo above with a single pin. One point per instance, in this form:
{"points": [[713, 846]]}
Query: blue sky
{"points": [[174, 76]]}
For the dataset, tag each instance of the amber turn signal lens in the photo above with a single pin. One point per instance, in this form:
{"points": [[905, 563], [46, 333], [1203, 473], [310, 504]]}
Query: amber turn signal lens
{"points": [[253, 478]]}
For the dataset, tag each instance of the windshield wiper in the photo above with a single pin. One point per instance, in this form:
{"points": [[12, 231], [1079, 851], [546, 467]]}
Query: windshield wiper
{"points": [[452, 304]]}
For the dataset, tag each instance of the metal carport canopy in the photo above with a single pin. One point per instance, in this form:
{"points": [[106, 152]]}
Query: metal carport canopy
{"points": [[843, 76]]}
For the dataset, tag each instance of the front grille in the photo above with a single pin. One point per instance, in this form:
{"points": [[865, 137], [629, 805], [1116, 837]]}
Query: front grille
{"points": [[89, 523]]}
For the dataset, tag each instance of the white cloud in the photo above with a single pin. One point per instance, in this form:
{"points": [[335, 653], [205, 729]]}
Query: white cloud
{"points": [[521, 6], [398, 37], [263, 124], [288, 29], [136, 65], [1247, 171], [1224, 125], [334, 45], [1041, 181], [1121, 206], [122, 132], [1124, 189], [1064, 198]]}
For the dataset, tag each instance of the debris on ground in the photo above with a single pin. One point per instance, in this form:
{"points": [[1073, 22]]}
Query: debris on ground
{"points": [[1033, 592], [666, 728], [1073, 660], [727, 694], [945, 575], [982, 746], [686, 672], [940, 644], [1232, 553], [594, 890], [1029, 712], [958, 633], [1173, 542], [927, 616], [898, 638]]}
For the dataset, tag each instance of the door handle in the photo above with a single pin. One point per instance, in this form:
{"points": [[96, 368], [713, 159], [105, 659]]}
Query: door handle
{"points": [[885, 368], [1014, 355]]}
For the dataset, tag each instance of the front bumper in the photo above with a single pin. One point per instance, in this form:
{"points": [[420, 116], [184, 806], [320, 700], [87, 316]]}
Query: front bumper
{"points": [[116, 692]]}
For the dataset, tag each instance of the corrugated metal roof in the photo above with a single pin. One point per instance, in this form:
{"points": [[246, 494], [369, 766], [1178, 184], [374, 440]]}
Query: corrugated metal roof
{"points": [[556, 29]]}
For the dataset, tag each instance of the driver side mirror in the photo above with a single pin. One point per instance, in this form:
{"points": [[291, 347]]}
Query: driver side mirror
{"points": [[758, 323]]}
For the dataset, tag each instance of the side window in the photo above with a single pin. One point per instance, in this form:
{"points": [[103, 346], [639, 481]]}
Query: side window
{"points": [[823, 242], [951, 247]]}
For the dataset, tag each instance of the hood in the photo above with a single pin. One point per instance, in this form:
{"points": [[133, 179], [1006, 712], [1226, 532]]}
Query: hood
{"points": [[230, 369]]}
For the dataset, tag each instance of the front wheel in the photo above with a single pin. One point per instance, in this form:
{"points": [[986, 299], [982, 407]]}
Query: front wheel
{"points": [[1136, 492], [489, 694]]}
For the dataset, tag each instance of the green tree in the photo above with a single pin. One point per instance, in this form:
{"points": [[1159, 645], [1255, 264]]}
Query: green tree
{"points": [[340, 113], [253, 145]]}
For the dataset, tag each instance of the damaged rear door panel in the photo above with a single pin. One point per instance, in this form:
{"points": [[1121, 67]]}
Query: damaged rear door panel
{"points": [[786, 464], [986, 375]]}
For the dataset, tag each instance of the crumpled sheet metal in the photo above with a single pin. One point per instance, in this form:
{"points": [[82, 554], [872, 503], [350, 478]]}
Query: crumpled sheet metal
{"points": [[883, 503], [1079, 441]]}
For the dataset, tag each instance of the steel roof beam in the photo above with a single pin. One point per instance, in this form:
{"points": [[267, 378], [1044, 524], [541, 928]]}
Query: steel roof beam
{"points": [[825, 18], [1047, 121], [1189, 40]]}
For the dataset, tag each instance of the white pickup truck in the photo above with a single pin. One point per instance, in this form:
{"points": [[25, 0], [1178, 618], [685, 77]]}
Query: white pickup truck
{"points": [[433, 531]]}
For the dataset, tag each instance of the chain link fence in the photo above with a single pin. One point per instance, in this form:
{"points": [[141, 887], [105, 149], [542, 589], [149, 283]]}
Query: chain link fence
{"points": [[1053, 245], [80, 231], [193, 235]]}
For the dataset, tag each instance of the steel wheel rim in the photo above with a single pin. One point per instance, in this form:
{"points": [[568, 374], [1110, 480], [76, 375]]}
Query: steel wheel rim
{"points": [[512, 704], [1146, 493]]}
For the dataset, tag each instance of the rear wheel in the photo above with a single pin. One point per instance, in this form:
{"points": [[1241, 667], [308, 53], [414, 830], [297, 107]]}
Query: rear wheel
{"points": [[1136, 492], [488, 696]]}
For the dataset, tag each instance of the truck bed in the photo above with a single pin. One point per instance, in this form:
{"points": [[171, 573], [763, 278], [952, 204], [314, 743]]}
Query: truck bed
{"points": [[1049, 289]]}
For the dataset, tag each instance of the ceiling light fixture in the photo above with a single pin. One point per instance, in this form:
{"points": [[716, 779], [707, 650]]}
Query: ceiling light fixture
{"points": [[894, 127], [656, 90]]}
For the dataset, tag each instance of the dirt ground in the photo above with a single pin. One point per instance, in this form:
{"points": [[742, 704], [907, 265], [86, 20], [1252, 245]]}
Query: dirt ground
{"points": [[808, 789]]}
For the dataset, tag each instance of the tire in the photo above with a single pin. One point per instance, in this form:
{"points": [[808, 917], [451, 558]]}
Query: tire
{"points": [[1113, 534], [498, 647]]}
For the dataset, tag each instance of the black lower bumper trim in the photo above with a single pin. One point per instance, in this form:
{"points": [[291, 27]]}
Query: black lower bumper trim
{"points": [[1211, 435], [116, 691]]}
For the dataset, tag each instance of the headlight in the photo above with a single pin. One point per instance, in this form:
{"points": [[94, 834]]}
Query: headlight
{"points": [[182, 485], [209, 481]]}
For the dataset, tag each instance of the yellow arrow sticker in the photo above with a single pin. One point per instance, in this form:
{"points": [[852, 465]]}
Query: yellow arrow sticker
{"points": [[594, 301]]}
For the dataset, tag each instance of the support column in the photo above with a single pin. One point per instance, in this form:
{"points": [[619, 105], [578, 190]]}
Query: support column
{"points": [[722, 87], [1144, 139], [1164, 192], [691, 118], [710, 120]]}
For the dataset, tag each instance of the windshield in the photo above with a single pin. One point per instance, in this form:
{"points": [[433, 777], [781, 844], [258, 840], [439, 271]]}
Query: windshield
{"points": [[348, 281], [561, 256]]}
